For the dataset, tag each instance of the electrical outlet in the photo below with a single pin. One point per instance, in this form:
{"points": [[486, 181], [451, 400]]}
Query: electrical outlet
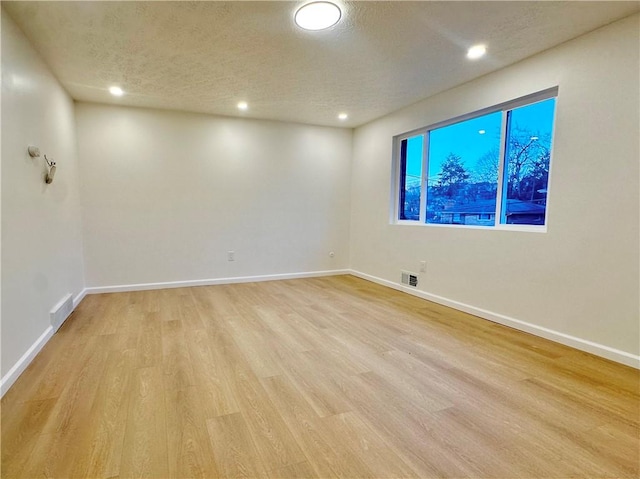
{"points": [[231, 255], [423, 266]]}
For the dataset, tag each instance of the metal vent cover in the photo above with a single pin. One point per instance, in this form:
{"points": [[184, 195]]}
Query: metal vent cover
{"points": [[409, 279]]}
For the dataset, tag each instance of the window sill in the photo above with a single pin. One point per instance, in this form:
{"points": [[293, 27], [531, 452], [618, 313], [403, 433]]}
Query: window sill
{"points": [[510, 228]]}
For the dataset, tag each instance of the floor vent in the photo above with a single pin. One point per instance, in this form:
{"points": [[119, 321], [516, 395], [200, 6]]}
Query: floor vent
{"points": [[61, 311], [410, 279]]}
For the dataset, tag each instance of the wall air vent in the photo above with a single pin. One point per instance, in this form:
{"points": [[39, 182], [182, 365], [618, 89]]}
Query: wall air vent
{"points": [[61, 311], [409, 279]]}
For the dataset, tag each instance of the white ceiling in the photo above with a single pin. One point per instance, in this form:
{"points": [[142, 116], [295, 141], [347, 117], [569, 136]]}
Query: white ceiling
{"points": [[207, 56]]}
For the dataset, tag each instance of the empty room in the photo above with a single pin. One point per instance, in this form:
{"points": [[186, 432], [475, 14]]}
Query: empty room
{"points": [[317, 239]]}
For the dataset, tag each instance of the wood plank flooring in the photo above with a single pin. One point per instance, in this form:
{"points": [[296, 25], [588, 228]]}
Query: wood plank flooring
{"points": [[311, 378]]}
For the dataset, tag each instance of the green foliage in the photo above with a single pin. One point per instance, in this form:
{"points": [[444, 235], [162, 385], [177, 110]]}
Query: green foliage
{"points": [[452, 177]]}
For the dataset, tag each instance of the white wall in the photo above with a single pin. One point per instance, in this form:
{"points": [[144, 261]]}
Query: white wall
{"points": [[165, 195], [41, 231], [581, 277]]}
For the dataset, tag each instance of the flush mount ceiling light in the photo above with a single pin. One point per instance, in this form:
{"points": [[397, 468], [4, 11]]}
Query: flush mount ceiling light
{"points": [[243, 105], [343, 116], [116, 91], [476, 52], [317, 15]]}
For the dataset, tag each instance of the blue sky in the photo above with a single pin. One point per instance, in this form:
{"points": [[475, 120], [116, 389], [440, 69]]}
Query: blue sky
{"points": [[466, 139]]}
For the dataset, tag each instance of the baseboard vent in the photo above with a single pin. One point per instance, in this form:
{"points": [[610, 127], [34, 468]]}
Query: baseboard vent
{"points": [[61, 312], [409, 279]]}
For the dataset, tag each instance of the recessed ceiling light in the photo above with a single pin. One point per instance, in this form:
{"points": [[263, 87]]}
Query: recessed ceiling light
{"points": [[243, 105], [317, 15], [343, 116], [116, 91], [476, 52]]}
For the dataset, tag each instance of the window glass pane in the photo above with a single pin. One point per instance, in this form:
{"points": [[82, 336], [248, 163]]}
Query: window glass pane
{"points": [[411, 173], [463, 172], [528, 152]]}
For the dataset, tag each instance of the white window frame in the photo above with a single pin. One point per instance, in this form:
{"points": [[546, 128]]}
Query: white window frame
{"points": [[424, 131]]}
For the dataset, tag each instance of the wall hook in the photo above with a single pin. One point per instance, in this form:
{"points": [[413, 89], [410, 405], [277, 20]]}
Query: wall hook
{"points": [[52, 170], [34, 152]]}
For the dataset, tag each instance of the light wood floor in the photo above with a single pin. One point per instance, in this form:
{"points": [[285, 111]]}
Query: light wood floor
{"points": [[326, 377]]}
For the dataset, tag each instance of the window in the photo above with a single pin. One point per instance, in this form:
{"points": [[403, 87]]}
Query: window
{"points": [[487, 169], [463, 170], [527, 159], [410, 187]]}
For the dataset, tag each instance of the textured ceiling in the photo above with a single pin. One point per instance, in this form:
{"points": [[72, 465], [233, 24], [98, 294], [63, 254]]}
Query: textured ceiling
{"points": [[207, 56]]}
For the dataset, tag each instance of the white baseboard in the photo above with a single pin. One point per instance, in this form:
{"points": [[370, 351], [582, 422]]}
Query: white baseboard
{"points": [[18, 368], [562, 338], [211, 282], [79, 298]]}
